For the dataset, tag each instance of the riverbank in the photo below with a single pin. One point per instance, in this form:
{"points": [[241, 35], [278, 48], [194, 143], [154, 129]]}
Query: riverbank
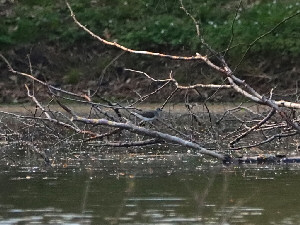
{"points": [[41, 38], [179, 108]]}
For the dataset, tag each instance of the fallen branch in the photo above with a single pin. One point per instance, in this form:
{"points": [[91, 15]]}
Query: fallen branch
{"points": [[150, 133]]}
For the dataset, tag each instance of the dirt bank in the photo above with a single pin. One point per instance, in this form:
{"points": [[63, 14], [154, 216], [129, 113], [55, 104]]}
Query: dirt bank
{"points": [[85, 68]]}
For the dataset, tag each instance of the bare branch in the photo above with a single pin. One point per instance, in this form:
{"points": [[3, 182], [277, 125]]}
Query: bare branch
{"points": [[155, 134], [232, 30], [271, 113], [193, 18], [182, 86], [195, 57], [263, 35], [268, 140], [132, 144]]}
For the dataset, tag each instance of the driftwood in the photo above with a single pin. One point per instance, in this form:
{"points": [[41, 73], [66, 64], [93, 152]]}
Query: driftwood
{"points": [[110, 124]]}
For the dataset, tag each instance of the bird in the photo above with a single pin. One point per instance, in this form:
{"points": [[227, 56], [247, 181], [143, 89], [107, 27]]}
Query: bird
{"points": [[148, 115]]}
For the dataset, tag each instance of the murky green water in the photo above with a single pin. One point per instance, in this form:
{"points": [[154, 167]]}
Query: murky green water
{"points": [[150, 190]]}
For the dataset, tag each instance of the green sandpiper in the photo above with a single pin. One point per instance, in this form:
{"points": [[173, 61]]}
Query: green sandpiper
{"points": [[148, 115]]}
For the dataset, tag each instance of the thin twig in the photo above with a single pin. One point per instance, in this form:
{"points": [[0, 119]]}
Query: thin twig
{"points": [[195, 57], [232, 28], [270, 114], [263, 35]]}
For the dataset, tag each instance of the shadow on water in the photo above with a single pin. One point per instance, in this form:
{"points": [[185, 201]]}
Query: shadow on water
{"points": [[169, 189]]}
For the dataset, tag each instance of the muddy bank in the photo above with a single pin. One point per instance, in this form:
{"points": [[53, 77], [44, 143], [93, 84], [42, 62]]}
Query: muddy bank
{"points": [[84, 68], [177, 108]]}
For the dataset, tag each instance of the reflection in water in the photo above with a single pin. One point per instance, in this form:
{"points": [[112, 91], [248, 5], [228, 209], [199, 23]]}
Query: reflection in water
{"points": [[150, 191], [43, 216]]}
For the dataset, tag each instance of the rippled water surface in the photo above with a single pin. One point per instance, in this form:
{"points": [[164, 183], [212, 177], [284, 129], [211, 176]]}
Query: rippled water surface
{"points": [[150, 190]]}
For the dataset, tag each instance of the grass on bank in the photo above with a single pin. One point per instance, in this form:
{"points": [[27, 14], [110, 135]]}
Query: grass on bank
{"points": [[155, 24]]}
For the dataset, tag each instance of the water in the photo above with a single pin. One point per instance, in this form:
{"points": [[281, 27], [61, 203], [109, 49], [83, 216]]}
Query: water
{"points": [[161, 190]]}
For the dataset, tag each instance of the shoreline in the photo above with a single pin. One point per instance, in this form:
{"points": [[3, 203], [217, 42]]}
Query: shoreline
{"points": [[169, 108]]}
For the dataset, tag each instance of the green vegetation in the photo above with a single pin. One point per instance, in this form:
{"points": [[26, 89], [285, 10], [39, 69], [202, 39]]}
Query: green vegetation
{"points": [[155, 24], [72, 76]]}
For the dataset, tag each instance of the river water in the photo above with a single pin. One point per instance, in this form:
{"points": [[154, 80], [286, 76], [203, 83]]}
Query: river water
{"points": [[161, 190]]}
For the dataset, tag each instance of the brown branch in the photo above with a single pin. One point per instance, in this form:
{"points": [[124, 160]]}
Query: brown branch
{"points": [[255, 96], [193, 18], [37, 103], [104, 71], [100, 136], [236, 109], [55, 121], [39, 81], [214, 86], [144, 97], [181, 86], [266, 140], [232, 26], [51, 88], [169, 97], [270, 114], [263, 35], [133, 143], [148, 76], [115, 44], [214, 53], [194, 116]]}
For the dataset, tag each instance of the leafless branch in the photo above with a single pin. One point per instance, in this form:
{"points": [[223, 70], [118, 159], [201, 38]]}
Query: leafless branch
{"points": [[132, 144], [150, 133], [264, 35], [271, 113], [232, 28]]}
